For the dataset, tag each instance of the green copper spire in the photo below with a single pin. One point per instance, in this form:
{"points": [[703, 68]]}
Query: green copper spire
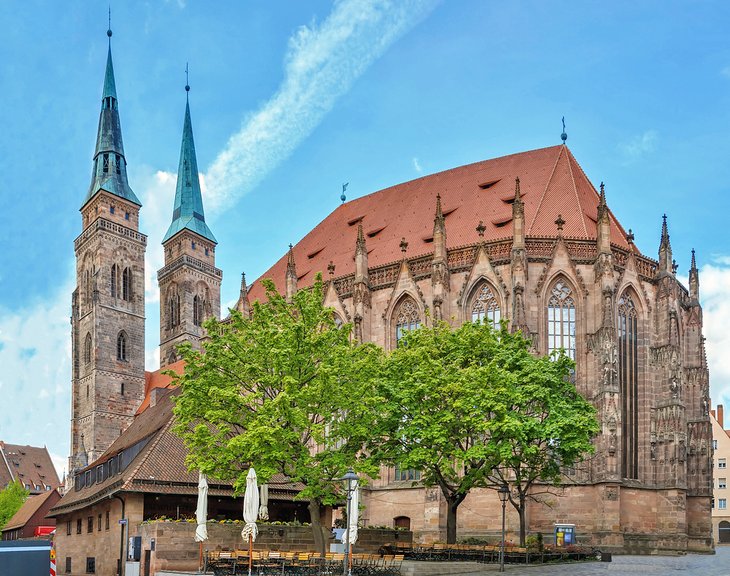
{"points": [[188, 211], [110, 166]]}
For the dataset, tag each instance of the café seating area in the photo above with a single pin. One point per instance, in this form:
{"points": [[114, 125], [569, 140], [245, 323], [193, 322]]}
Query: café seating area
{"points": [[275, 563]]}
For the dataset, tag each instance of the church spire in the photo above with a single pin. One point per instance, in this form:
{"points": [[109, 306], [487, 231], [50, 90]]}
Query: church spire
{"points": [[188, 210], [665, 249], [110, 167], [694, 280]]}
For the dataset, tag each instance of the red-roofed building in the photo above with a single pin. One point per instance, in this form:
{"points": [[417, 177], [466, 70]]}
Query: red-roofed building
{"points": [[30, 465], [525, 237]]}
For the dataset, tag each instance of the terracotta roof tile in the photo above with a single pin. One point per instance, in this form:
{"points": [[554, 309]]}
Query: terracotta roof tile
{"points": [[30, 465], [30, 507], [551, 183], [158, 379]]}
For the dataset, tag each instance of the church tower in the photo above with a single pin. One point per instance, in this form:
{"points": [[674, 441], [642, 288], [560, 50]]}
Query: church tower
{"points": [[107, 321], [190, 284]]}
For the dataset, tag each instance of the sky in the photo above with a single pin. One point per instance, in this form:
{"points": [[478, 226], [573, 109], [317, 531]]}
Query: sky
{"points": [[291, 99]]}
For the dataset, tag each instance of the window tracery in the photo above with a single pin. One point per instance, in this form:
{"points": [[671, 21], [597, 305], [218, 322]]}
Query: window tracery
{"points": [[561, 319], [484, 307], [629, 383], [406, 317]]}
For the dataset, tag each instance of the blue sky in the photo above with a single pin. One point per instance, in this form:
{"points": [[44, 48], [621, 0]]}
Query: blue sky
{"points": [[290, 99]]}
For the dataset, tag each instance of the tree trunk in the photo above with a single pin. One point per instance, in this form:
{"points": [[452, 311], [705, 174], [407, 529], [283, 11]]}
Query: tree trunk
{"points": [[521, 512], [452, 505], [320, 534]]}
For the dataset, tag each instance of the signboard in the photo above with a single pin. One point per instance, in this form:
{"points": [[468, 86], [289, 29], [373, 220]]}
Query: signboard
{"points": [[564, 534]]}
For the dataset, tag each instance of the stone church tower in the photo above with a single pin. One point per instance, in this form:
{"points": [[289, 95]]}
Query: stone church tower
{"points": [[107, 322], [190, 284]]}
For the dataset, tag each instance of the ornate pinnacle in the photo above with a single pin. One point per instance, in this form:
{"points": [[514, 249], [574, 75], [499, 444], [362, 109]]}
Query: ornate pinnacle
{"points": [[675, 266], [602, 201], [439, 213], [403, 245], [290, 266], [360, 244], [481, 228], [517, 189], [244, 288], [694, 263]]}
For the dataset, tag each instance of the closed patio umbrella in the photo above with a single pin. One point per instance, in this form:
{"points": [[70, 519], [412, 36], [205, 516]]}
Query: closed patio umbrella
{"points": [[250, 512], [201, 514], [264, 504]]}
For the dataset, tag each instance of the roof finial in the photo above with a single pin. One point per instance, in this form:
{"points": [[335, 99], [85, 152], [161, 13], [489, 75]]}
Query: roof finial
{"points": [[187, 80], [344, 188], [564, 136], [109, 29], [481, 228], [331, 268], [694, 262], [560, 222], [403, 246]]}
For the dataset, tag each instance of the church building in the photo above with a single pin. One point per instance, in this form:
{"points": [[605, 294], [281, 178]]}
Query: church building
{"points": [[526, 238]]}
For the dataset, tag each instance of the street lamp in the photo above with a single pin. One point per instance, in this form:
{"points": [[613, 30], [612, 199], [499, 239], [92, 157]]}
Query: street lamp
{"points": [[503, 493], [350, 479]]}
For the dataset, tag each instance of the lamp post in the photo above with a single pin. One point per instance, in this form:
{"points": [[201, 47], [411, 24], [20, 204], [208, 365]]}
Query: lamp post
{"points": [[350, 479], [503, 495]]}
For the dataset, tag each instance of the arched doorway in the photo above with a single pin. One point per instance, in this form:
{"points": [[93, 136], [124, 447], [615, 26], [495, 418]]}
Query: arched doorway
{"points": [[724, 532], [405, 522]]}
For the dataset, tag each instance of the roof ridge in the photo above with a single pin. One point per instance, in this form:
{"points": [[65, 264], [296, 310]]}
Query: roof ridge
{"points": [[147, 450], [577, 196], [544, 192]]}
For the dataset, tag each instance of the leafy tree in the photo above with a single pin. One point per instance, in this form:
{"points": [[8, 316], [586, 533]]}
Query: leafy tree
{"points": [[435, 417], [472, 407], [539, 424], [11, 499], [280, 390]]}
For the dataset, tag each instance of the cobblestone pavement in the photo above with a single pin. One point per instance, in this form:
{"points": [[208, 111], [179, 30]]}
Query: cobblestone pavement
{"points": [[691, 565]]}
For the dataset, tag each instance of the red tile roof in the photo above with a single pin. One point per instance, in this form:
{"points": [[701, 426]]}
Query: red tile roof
{"points": [[157, 379], [551, 184], [30, 507], [30, 465]]}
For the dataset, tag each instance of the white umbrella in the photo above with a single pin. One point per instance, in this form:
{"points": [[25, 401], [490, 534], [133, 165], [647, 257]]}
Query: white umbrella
{"points": [[250, 512], [264, 506], [201, 512], [354, 514]]}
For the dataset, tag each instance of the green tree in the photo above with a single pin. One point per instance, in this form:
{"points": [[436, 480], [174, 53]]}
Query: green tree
{"points": [[539, 425], [11, 499], [280, 390], [472, 407], [437, 403]]}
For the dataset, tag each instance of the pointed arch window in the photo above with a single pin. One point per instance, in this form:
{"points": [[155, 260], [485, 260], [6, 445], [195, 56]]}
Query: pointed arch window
{"points": [[127, 284], [115, 281], [198, 306], [628, 356], [173, 310], [484, 306], [87, 349], [122, 347], [561, 319], [406, 317]]}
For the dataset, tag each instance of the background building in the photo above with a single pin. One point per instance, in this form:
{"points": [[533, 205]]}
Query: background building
{"points": [[720, 491], [30, 465]]}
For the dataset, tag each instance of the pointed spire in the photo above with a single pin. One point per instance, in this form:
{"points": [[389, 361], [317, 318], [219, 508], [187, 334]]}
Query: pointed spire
{"points": [[188, 210], [291, 275], [518, 219], [439, 233], [603, 224], [243, 305], [110, 166], [694, 280], [665, 249], [361, 257]]}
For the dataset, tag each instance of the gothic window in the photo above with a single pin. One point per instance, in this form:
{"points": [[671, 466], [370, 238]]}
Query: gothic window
{"points": [[197, 310], [115, 281], [105, 165], [484, 306], [87, 349], [406, 317], [338, 320], [127, 284], [173, 309], [628, 376], [122, 347], [561, 319]]}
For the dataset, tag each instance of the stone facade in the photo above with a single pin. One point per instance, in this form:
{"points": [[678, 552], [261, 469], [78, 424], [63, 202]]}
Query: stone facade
{"points": [[190, 291], [107, 326]]}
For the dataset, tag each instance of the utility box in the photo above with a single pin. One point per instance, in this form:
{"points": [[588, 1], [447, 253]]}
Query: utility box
{"points": [[564, 535]]}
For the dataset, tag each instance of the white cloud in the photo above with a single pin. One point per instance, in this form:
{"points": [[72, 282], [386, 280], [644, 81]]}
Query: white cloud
{"points": [[715, 297], [639, 145], [417, 165], [35, 355], [322, 63]]}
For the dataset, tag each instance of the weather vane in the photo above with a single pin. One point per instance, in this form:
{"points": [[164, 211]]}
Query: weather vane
{"points": [[109, 29], [344, 188], [564, 135], [187, 78]]}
